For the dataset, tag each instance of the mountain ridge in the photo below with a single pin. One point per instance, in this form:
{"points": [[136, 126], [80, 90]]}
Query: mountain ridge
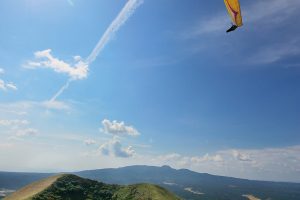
{"points": [[72, 187], [184, 182]]}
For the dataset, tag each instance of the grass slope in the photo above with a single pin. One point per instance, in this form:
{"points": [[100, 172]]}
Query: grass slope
{"points": [[71, 187], [30, 190], [143, 192]]}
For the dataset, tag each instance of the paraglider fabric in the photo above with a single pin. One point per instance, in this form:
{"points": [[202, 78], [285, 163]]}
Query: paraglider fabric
{"points": [[234, 10]]}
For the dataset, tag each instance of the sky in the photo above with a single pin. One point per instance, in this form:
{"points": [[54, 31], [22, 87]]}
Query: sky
{"points": [[96, 84]]}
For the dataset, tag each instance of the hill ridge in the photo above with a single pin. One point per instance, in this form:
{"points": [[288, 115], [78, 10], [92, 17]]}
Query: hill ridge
{"points": [[72, 187]]}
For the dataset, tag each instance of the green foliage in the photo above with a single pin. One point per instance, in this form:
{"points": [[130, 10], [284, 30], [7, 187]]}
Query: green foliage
{"points": [[143, 192], [71, 187]]}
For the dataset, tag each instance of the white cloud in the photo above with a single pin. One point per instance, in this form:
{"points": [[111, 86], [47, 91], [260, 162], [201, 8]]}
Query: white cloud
{"points": [[262, 164], [56, 105], [26, 132], [272, 11], [118, 128], [89, 142], [2, 85], [114, 147], [207, 157], [15, 122], [241, 156], [187, 161], [122, 152], [44, 59], [11, 86], [105, 148], [280, 164], [275, 53]]}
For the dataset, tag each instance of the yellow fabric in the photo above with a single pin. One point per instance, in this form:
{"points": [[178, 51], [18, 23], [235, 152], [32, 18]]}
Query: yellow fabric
{"points": [[234, 10]]}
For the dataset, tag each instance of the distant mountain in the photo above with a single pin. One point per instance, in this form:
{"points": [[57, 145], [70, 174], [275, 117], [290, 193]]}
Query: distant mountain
{"points": [[72, 187], [191, 185], [16, 180], [186, 184]]}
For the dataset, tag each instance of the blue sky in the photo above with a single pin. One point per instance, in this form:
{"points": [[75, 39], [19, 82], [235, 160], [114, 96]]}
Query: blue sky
{"points": [[166, 85]]}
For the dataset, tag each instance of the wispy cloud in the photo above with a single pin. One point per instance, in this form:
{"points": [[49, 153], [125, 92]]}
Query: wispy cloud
{"points": [[26, 132], [11, 86], [4, 85], [241, 156], [23, 108], [275, 52], [17, 128], [7, 86], [56, 105], [14, 122], [89, 142]]}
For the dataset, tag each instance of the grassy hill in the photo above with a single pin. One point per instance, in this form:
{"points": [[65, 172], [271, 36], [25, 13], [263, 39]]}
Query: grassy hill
{"points": [[31, 190], [143, 191], [71, 187]]}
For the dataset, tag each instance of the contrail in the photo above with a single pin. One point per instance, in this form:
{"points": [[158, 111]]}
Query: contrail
{"points": [[61, 90], [122, 17], [116, 24]]}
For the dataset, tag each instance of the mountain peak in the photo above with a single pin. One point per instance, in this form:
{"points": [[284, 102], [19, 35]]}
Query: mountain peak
{"points": [[166, 167]]}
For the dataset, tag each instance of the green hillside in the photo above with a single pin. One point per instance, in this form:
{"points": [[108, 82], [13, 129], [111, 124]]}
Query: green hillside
{"points": [[71, 187], [143, 192]]}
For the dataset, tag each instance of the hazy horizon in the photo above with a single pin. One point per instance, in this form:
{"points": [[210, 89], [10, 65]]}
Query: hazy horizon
{"points": [[105, 84]]}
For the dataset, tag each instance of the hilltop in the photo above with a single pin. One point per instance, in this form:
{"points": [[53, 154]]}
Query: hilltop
{"points": [[72, 187]]}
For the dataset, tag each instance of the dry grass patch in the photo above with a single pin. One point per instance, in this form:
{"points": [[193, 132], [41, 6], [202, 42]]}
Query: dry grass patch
{"points": [[29, 191]]}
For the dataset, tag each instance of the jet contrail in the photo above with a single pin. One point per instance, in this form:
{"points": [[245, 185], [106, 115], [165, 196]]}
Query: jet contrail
{"points": [[61, 90], [116, 24], [122, 17]]}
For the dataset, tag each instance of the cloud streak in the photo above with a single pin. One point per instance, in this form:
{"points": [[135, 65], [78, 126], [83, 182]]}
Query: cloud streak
{"points": [[4, 85], [14, 122], [120, 20]]}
